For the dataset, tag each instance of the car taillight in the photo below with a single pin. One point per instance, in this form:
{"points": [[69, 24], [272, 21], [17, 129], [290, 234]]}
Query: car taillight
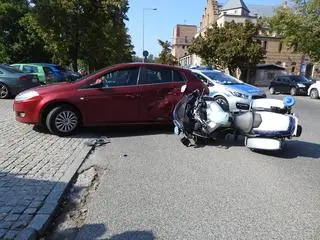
{"points": [[23, 78]]}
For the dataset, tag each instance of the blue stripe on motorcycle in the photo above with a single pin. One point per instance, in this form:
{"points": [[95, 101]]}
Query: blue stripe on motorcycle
{"points": [[292, 124]]}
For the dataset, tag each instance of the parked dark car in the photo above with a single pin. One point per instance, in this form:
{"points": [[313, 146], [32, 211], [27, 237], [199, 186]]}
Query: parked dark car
{"points": [[291, 84], [134, 93], [13, 81]]}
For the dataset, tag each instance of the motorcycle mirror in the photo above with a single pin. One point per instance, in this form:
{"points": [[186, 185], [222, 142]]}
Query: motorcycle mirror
{"points": [[183, 88], [289, 101]]}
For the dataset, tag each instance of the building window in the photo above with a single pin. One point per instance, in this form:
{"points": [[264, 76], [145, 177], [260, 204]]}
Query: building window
{"points": [[293, 68], [280, 47], [265, 45]]}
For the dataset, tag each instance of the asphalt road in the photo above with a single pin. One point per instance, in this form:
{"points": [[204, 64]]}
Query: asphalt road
{"points": [[155, 188]]}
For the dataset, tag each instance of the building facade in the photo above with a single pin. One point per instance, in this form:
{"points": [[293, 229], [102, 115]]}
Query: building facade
{"points": [[275, 50], [183, 36]]}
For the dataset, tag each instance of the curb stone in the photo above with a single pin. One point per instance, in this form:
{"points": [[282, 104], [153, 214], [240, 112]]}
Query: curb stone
{"points": [[43, 217]]}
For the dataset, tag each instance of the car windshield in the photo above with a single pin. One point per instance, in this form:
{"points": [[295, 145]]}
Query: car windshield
{"points": [[300, 79], [10, 69], [89, 75], [223, 78], [59, 68]]}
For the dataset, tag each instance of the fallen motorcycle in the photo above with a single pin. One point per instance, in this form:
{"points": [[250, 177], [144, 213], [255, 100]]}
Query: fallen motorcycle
{"points": [[265, 126]]}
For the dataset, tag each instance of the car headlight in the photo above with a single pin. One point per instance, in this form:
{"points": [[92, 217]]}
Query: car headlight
{"points": [[301, 85], [26, 95], [238, 94]]}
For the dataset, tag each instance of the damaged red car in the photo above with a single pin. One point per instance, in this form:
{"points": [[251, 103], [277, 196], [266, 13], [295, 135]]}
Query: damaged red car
{"points": [[132, 93]]}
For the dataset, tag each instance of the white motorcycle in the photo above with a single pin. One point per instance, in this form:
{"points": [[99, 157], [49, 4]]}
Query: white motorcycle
{"points": [[265, 126]]}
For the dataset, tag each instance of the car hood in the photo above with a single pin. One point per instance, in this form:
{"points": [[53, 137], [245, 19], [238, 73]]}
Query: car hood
{"points": [[55, 87], [247, 88]]}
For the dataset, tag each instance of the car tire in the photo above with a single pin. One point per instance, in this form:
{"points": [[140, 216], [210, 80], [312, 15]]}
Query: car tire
{"points": [[272, 91], [223, 102], [4, 91], [63, 120], [314, 94], [293, 91]]}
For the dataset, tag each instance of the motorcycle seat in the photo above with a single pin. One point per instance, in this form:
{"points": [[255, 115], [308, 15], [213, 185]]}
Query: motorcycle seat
{"points": [[246, 121]]}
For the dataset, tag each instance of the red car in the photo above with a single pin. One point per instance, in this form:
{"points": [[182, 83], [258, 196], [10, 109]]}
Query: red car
{"points": [[133, 93]]}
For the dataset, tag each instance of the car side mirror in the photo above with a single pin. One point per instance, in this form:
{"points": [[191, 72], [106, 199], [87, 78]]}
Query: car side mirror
{"points": [[209, 84], [183, 88]]}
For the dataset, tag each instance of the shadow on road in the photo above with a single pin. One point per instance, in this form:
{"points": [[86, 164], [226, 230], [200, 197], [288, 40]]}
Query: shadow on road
{"points": [[134, 235], [116, 131], [96, 231], [296, 148]]}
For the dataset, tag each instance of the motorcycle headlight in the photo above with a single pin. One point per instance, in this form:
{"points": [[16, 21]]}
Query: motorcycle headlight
{"points": [[301, 85], [238, 94], [26, 95]]}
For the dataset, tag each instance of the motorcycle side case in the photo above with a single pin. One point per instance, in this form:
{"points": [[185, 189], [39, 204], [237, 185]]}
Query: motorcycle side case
{"points": [[268, 104], [264, 143], [276, 125]]}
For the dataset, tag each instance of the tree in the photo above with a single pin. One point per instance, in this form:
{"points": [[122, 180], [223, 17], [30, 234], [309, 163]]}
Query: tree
{"points": [[299, 27], [93, 31], [166, 57], [233, 46], [15, 43]]}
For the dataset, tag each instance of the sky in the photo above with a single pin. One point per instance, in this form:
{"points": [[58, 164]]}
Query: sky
{"points": [[159, 24]]}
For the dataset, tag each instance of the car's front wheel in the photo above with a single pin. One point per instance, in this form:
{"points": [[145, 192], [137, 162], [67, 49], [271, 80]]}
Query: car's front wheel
{"points": [[63, 120], [314, 94]]}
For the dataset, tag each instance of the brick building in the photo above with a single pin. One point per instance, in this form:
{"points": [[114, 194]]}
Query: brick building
{"points": [[183, 36], [275, 50]]}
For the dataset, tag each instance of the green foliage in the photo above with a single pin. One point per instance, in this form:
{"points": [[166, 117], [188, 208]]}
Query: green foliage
{"points": [[15, 45], [165, 56], [65, 31], [232, 46], [299, 27]]}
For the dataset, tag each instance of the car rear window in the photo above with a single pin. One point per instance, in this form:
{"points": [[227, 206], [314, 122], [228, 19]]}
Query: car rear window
{"points": [[177, 77], [29, 69], [10, 69], [154, 75]]}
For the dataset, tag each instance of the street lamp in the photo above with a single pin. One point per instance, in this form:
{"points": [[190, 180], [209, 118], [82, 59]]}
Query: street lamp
{"points": [[145, 9]]}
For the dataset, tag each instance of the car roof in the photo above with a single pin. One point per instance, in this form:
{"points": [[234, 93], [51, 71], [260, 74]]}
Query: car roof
{"points": [[44, 64], [140, 64], [27, 64], [290, 75], [204, 71]]}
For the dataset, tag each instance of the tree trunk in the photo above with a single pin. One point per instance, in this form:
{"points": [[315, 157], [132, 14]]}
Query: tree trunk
{"points": [[248, 75]]}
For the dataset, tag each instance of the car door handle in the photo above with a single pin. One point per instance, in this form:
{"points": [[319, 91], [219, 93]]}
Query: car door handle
{"points": [[132, 96]]}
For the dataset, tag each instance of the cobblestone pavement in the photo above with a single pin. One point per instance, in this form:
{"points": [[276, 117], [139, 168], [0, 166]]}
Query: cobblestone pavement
{"points": [[34, 171]]}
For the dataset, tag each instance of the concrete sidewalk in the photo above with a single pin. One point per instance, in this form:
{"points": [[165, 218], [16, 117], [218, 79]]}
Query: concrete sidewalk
{"points": [[35, 169]]}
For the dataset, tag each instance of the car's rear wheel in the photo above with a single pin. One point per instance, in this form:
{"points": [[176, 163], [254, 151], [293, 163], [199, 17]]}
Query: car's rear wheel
{"points": [[272, 91], [314, 94], [63, 120], [4, 91], [223, 102], [293, 91]]}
